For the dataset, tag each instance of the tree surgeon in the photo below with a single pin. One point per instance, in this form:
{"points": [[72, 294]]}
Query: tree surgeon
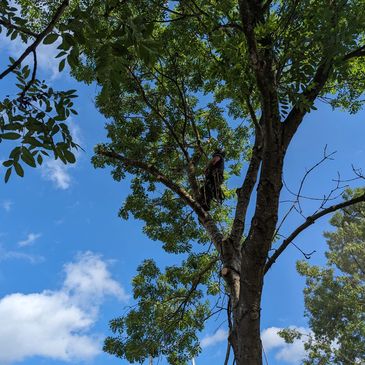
{"points": [[214, 176]]}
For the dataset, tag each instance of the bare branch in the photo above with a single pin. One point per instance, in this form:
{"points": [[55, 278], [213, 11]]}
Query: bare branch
{"points": [[309, 221], [38, 39]]}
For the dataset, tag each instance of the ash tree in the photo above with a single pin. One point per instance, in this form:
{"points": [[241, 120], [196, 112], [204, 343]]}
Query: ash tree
{"points": [[179, 80]]}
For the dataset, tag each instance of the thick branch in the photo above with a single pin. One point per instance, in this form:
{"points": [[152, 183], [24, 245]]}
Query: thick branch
{"points": [[38, 39], [296, 115], [309, 221], [204, 217], [360, 52]]}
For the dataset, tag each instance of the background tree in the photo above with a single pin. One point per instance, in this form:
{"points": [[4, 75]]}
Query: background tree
{"points": [[178, 80], [334, 295]]}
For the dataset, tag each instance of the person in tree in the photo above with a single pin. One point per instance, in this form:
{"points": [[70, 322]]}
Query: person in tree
{"points": [[211, 188]]}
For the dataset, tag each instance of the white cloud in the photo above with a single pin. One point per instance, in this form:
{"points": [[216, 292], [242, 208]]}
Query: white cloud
{"points": [[7, 204], [55, 170], [219, 336], [56, 324], [89, 279], [290, 353], [46, 61], [31, 238]]}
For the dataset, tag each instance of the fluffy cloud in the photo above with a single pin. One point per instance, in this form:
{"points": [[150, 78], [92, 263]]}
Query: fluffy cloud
{"points": [[57, 324], [31, 238], [57, 172], [219, 336], [290, 353]]}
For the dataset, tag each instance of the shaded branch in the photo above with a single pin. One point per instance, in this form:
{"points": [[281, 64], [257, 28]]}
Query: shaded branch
{"points": [[38, 39], [295, 117], [308, 222], [360, 52], [157, 111]]}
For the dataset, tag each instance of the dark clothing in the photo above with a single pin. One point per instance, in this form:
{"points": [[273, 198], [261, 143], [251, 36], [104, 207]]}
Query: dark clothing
{"points": [[214, 177]]}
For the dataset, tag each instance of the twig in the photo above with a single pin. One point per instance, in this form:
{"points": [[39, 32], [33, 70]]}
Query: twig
{"points": [[31, 81], [37, 41], [309, 221]]}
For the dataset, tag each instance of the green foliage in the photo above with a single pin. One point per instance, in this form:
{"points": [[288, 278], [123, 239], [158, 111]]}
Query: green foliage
{"points": [[33, 122], [334, 296], [168, 314], [175, 82]]}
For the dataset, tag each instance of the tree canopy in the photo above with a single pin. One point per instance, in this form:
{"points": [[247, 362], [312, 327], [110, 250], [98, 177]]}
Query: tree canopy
{"points": [[177, 81]]}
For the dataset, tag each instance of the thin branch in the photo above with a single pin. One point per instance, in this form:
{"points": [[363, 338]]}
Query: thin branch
{"points": [[157, 111], [38, 39], [298, 195], [18, 28], [31, 81], [308, 222]]}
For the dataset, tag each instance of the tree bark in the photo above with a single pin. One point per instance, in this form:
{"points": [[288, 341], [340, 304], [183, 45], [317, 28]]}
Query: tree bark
{"points": [[245, 331]]}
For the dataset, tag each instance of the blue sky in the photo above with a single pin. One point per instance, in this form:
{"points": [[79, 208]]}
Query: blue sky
{"points": [[66, 259]]}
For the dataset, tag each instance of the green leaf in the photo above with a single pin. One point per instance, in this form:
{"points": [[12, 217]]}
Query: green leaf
{"points": [[69, 156], [27, 157], [51, 38], [61, 66], [8, 163], [7, 174], [10, 135], [18, 169]]}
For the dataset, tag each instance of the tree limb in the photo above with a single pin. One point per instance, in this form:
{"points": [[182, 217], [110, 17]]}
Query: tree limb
{"points": [[245, 191], [296, 115], [38, 39], [204, 217], [309, 221], [359, 52]]}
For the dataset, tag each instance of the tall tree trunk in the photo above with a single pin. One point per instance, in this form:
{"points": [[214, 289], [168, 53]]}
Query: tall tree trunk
{"points": [[245, 336], [245, 331]]}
